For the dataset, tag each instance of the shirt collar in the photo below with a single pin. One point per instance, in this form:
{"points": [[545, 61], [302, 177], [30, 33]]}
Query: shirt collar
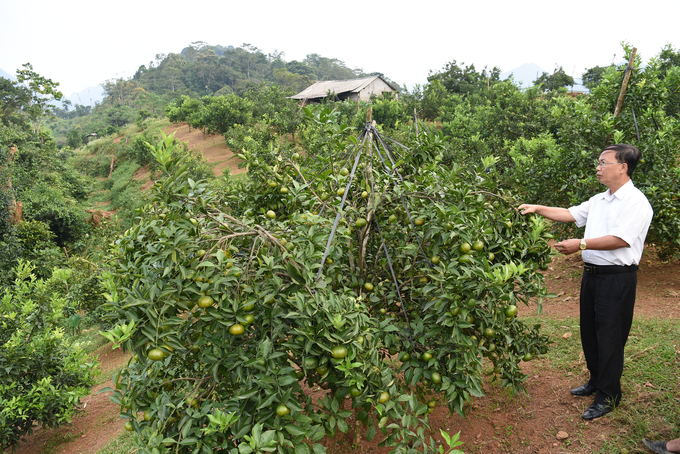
{"points": [[621, 193]]}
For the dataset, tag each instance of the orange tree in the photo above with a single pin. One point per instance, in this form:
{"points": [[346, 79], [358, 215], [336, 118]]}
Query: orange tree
{"points": [[380, 281], [43, 371]]}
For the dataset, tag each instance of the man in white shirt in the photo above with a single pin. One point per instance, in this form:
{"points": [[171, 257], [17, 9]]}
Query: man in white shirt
{"points": [[617, 222]]}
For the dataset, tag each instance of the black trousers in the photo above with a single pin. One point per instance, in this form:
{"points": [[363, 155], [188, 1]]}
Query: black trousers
{"points": [[607, 302]]}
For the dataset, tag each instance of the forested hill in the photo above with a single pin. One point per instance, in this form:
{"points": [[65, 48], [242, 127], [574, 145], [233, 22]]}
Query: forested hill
{"points": [[198, 70], [202, 69]]}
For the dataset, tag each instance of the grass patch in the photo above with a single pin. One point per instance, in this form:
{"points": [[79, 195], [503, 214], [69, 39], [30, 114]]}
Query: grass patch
{"points": [[55, 443], [124, 443], [651, 377], [92, 340], [107, 376]]}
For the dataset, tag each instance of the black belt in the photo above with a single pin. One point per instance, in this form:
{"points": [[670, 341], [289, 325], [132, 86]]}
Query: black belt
{"points": [[608, 269]]}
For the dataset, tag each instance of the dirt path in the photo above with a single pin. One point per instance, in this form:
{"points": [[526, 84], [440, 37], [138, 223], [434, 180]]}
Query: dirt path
{"points": [[213, 147], [92, 429], [497, 422]]}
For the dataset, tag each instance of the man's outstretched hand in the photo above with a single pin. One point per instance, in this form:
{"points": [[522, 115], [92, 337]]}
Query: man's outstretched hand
{"points": [[569, 246]]}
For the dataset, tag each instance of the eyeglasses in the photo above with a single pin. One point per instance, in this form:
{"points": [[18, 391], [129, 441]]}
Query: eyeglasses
{"points": [[605, 163]]}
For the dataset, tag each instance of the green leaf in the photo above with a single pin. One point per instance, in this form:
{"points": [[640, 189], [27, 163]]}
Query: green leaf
{"points": [[302, 448], [343, 426], [370, 432], [294, 274], [286, 380], [294, 430]]}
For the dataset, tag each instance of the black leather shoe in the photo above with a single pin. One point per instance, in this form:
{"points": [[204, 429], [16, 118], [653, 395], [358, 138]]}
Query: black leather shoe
{"points": [[584, 390], [596, 411]]}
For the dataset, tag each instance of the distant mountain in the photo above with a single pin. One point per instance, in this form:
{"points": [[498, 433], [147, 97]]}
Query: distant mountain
{"points": [[525, 75], [88, 96], [7, 75], [529, 72]]}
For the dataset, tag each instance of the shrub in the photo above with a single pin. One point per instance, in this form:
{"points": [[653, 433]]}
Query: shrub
{"points": [[48, 205], [39, 247], [181, 109], [139, 150], [43, 373], [221, 113]]}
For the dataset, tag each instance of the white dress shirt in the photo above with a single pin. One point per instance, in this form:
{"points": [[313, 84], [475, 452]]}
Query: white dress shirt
{"points": [[626, 214]]}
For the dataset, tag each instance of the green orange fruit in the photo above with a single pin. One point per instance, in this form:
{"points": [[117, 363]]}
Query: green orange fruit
{"points": [[339, 352], [236, 329], [155, 354], [204, 301]]}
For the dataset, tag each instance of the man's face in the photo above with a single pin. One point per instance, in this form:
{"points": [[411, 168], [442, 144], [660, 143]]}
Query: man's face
{"points": [[609, 170]]}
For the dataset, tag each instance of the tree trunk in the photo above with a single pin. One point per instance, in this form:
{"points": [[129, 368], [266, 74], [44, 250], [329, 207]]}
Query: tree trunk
{"points": [[113, 156], [15, 208]]}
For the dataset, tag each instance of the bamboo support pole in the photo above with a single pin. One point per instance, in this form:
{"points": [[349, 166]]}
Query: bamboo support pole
{"points": [[368, 174], [624, 85]]}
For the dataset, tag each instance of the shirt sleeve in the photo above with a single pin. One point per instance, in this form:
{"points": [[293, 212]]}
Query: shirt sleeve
{"points": [[580, 213]]}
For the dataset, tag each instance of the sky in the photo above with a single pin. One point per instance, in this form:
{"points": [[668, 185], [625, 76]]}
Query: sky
{"points": [[82, 44]]}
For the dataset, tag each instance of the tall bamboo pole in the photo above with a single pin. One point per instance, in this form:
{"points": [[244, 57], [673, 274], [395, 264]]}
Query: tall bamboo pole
{"points": [[624, 85]]}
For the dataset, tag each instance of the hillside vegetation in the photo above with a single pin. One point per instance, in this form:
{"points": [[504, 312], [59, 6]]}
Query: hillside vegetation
{"points": [[404, 232]]}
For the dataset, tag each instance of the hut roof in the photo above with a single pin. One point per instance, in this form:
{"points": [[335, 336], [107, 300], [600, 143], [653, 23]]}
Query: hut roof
{"points": [[320, 89]]}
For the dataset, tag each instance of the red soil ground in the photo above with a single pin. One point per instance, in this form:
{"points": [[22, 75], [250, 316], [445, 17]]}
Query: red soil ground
{"points": [[212, 147]]}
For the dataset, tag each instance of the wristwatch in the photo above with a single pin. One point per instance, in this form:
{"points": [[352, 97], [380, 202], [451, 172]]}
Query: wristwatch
{"points": [[583, 246]]}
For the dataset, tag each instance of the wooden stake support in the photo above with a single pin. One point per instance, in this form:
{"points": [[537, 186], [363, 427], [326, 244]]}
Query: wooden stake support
{"points": [[624, 85], [113, 157]]}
